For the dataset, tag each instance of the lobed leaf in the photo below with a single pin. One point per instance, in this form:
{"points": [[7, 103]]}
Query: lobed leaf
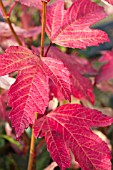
{"points": [[81, 86], [30, 92], [57, 146], [70, 28], [28, 95], [71, 123], [15, 58], [59, 74]]}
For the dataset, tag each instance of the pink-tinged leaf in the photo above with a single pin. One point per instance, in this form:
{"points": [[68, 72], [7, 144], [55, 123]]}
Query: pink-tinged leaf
{"points": [[105, 86], [54, 92], [34, 3], [70, 28], [55, 144], [58, 149], [59, 74], [15, 58], [81, 86], [71, 123], [41, 127], [5, 31], [29, 94], [82, 65], [106, 71]]}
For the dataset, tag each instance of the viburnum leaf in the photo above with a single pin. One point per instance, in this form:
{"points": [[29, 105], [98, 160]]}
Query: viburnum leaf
{"points": [[81, 86], [30, 92], [15, 58], [68, 127], [70, 28], [82, 64], [60, 152], [56, 145], [106, 71], [54, 68]]}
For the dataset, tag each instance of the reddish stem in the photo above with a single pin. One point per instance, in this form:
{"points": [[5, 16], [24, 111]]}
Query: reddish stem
{"points": [[11, 8], [48, 49]]}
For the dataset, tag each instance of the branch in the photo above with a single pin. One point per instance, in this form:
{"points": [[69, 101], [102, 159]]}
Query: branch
{"points": [[6, 17], [11, 8], [32, 148], [43, 27]]}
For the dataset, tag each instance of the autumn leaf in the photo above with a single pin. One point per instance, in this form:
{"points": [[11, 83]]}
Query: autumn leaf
{"points": [[5, 31], [34, 3], [106, 71], [68, 127], [70, 28], [30, 92], [81, 86], [54, 68]]}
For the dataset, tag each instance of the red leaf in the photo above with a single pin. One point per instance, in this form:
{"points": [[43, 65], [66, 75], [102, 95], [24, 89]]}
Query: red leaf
{"points": [[70, 28], [59, 74], [71, 123], [81, 86], [82, 65], [106, 71], [15, 58], [54, 92], [30, 92], [57, 146], [55, 143], [23, 33]]}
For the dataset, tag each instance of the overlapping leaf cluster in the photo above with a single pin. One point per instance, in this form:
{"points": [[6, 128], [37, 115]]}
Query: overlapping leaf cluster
{"points": [[68, 127]]}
